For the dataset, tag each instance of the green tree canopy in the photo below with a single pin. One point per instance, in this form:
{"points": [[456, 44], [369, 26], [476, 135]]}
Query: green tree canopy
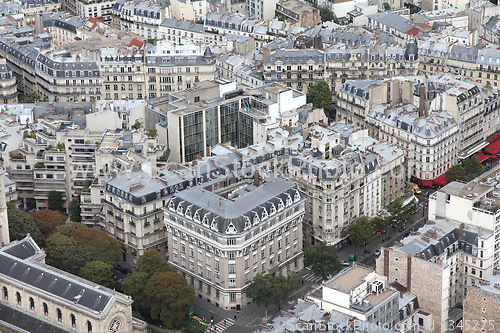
{"points": [[322, 259], [326, 13], [456, 172], [74, 259], [57, 246], [360, 231], [170, 297], [75, 211], [98, 272], [134, 286], [472, 165], [69, 228], [261, 290], [56, 201], [21, 224], [320, 96], [32, 96], [47, 221], [151, 262], [397, 212], [103, 247], [137, 124]]}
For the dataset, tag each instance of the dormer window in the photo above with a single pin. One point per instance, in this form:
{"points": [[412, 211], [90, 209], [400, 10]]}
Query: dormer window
{"points": [[264, 214], [205, 220], [248, 224], [256, 219], [231, 229], [272, 210], [196, 216], [281, 205]]}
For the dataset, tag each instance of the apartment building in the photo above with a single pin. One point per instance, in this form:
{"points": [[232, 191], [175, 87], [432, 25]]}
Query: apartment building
{"points": [[430, 140], [178, 31], [218, 25], [234, 224], [298, 12], [359, 292], [302, 68], [439, 263], [482, 305], [471, 204], [220, 111], [8, 85], [394, 23], [92, 8], [261, 9], [62, 27], [191, 10], [39, 298], [142, 18]]}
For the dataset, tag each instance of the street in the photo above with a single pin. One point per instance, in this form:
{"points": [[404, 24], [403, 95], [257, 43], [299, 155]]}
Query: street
{"points": [[248, 319]]}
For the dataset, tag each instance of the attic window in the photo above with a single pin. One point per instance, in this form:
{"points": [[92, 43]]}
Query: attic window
{"points": [[231, 229]]}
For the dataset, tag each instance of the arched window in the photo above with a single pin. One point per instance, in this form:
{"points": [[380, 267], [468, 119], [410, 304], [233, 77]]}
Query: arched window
{"points": [[73, 320], [59, 314], [5, 293], [32, 304], [45, 309], [89, 327], [18, 296]]}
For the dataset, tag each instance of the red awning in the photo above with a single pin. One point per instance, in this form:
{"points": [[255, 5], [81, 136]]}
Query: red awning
{"points": [[493, 148], [426, 182], [482, 157], [441, 180]]}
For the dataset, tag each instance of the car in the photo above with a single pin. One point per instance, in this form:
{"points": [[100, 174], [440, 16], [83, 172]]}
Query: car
{"points": [[376, 253], [343, 263]]}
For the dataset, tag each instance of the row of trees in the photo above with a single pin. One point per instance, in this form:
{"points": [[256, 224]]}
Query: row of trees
{"points": [[459, 172], [159, 293]]}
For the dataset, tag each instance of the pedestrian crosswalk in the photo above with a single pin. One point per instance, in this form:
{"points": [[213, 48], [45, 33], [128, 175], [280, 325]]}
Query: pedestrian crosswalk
{"points": [[221, 326], [311, 278]]}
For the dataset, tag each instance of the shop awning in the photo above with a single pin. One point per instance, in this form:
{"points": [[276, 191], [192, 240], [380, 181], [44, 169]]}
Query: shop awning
{"points": [[482, 157], [426, 182], [441, 180], [493, 148]]}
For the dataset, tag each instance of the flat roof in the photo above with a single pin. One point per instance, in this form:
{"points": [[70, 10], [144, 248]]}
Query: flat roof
{"points": [[348, 279]]}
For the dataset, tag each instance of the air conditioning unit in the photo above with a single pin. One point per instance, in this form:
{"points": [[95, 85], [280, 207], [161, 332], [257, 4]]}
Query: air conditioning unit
{"points": [[377, 286]]}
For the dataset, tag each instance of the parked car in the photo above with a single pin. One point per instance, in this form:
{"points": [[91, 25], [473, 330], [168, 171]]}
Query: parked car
{"points": [[376, 253]]}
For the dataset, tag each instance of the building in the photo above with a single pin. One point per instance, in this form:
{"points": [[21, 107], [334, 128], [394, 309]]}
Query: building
{"points": [[220, 111], [472, 204], [39, 298], [359, 292], [225, 232], [180, 32], [482, 305], [62, 27], [393, 23], [261, 9], [298, 12], [190, 10], [430, 140], [142, 18], [91, 8], [8, 85], [439, 263]]}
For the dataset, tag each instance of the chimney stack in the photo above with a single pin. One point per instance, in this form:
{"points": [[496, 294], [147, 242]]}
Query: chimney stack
{"points": [[461, 232], [421, 104], [256, 179]]}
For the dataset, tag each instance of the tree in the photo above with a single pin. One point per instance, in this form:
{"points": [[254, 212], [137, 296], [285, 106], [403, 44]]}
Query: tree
{"points": [[151, 262], [322, 259], [360, 232], [326, 13], [386, 6], [47, 221], [21, 224], [75, 211], [283, 287], [74, 259], [320, 95], [412, 207], [398, 213], [56, 201], [261, 290], [56, 248], [32, 97], [103, 247], [137, 124], [134, 286], [69, 228], [456, 172], [472, 165], [98, 272], [170, 297]]}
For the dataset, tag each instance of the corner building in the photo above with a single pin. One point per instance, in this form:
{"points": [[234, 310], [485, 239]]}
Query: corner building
{"points": [[241, 224]]}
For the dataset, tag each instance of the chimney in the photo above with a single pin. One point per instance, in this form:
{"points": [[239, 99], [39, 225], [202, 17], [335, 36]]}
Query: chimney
{"points": [[256, 179], [421, 104], [461, 232]]}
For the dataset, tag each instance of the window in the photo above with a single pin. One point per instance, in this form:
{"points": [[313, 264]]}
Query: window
{"points": [[232, 269], [217, 267], [18, 296], [232, 283], [59, 315], [32, 304], [45, 309], [89, 327], [5, 293], [73, 320]]}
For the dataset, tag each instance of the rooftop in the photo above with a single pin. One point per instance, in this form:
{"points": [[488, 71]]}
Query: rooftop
{"points": [[349, 278]]}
